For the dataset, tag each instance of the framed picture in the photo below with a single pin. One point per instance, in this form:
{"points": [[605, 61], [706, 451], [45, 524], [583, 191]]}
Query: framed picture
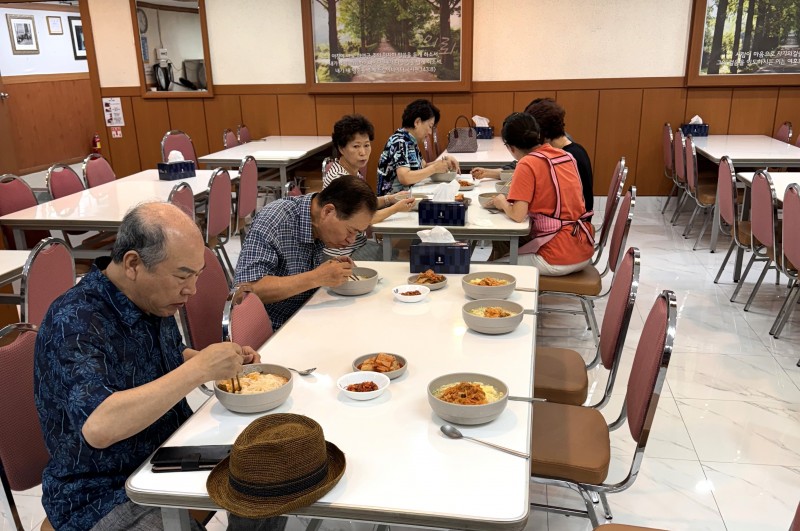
{"points": [[22, 31], [54, 26], [358, 46], [744, 43], [78, 42]]}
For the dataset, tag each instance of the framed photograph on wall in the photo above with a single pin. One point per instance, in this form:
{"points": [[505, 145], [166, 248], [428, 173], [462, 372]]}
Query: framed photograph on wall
{"points": [[22, 31], [78, 42], [359, 46], [54, 26], [744, 43]]}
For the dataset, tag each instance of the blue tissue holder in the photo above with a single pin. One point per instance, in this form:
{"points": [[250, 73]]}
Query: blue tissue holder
{"points": [[174, 171], [452, 213], [443, 258], [695, 129]]}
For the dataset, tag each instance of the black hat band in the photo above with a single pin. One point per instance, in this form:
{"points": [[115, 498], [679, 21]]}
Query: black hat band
{"points": [[279, 489]]}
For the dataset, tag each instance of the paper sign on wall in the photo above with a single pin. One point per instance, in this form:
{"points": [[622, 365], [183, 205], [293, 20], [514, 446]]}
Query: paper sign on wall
{"points": [[112, 108], [116, 132]]}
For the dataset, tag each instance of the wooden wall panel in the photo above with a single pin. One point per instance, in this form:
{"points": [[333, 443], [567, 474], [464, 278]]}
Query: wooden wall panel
{"points": [[451, 106], [125, 151], [152, 121], [495, 106], [260, 114], [330, 109], [658, 106], [222, 112], [581, 120], [189, 116], [522, 99], [297, 114], [788, 110], [753, 111], [618, 120], [378, 109], [712, 105]]}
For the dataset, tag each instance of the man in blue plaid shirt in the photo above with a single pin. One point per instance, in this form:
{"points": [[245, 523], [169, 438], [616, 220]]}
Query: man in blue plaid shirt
{"points": [[282, 254]]}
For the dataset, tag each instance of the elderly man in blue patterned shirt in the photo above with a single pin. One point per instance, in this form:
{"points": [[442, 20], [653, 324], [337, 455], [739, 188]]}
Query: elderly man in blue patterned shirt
{"points": [[111, 371], [282, 255]]}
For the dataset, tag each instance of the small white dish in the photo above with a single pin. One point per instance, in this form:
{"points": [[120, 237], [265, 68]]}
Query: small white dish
{"points": [[381, 380], [399, 292]]}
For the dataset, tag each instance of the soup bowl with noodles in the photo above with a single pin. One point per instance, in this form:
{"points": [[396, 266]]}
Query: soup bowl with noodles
{"points": [[467, 398], [488, 285], [492, 316], [367, 280], [264, 387]]}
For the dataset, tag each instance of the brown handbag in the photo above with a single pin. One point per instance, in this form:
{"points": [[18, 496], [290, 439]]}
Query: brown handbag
{"points": [[462, 139]]}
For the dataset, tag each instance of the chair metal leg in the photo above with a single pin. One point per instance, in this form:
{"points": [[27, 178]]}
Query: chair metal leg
{"points": [[787, 314], [588, 307], [595, 497], [757, 286], [725, 262], [666, 203], [606, 506], [689, 225], [702, 229], [741, 278], [678, 208], [587, 500]]}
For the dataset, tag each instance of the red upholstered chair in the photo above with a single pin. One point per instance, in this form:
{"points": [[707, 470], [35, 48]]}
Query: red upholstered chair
{"points": [[23, 454], [728, 211], [245, 320], [243, 133], [784, 133], [678, 142], [182, 197], [615, 187], [49, 271], [246, 193], [177, 140], [560, 373], [704, 193], [16, 195], [796, 521], [669, 161], [229, 139], [570, 445], [97, 170], [788, 259], [218, 218], [200, 314], [63, 181]]}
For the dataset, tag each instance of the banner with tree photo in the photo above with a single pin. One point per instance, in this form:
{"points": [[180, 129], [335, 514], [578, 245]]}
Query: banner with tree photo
{"points": [[750, 38], [388, 42]]}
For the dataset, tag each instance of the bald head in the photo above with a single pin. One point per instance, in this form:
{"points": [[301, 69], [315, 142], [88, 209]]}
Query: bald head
{"points": [[147, 228]]}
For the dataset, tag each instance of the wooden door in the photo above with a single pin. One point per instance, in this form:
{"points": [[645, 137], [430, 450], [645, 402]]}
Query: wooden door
{"points": [[8, 154]]}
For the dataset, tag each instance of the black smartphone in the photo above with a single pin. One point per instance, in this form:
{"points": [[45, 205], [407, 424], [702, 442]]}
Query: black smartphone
{"points": [[188, 458]]}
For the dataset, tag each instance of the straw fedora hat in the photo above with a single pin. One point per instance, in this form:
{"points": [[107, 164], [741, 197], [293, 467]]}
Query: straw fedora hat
{"points": [[279, 463]]}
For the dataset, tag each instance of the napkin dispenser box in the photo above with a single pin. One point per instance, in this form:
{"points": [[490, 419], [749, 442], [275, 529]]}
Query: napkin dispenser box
{"points": [[451, 213], [484, 133], [443, 258], [173, 171], [694, 129]]}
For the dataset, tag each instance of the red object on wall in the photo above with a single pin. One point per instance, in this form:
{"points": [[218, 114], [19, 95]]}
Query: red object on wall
{"points": [[96, 143]]}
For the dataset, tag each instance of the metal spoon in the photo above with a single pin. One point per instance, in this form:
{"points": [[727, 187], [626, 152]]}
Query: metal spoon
{"points": [[526, 399], [455, 433], [303, 373]]}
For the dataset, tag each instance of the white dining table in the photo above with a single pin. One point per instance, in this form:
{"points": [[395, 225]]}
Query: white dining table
{"points": [[281, 152], [481, 224], [100, 208], [400, 468], [492, 153], [780, 180]]}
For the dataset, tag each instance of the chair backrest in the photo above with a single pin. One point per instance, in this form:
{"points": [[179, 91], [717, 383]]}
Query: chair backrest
{"points": [[669, 155], [796, 521], [690, 162], [218, 204], [763, 210], [177, 140], [650, 367], [245, 320], [784, 132], [182, 197], [243, 134], [16, 195], [229, 139], [430, 146], [790, 247], [47, 274], [23, 453], [200, 314], [247, 189], [622, 225], [617, 317], [62, 181], [677, 150], [97, 170], [611, 207], [728, 196]]}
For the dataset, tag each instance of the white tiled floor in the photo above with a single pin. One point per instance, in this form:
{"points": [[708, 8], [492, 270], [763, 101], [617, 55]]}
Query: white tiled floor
{"points": [[725, 449]]}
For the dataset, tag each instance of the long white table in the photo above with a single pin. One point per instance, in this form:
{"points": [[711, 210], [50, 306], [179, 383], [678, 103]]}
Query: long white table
{"points": [[100, 208], [282, 152], [492, 153], [400, 468], [781, 180], [481, 223]]}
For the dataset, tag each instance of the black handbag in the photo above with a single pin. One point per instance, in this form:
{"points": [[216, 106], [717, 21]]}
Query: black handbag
{"points": [[462, 139]]}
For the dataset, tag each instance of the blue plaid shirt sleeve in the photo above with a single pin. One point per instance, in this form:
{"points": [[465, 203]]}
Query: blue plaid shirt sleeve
{"points": [[260, 255]]}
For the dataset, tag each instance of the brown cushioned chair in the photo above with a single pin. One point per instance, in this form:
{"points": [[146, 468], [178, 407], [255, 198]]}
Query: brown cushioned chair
{"points": [[789, 259], [586, 285], [729, 213], [560, 373], [570, 445], [703, 192]]}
